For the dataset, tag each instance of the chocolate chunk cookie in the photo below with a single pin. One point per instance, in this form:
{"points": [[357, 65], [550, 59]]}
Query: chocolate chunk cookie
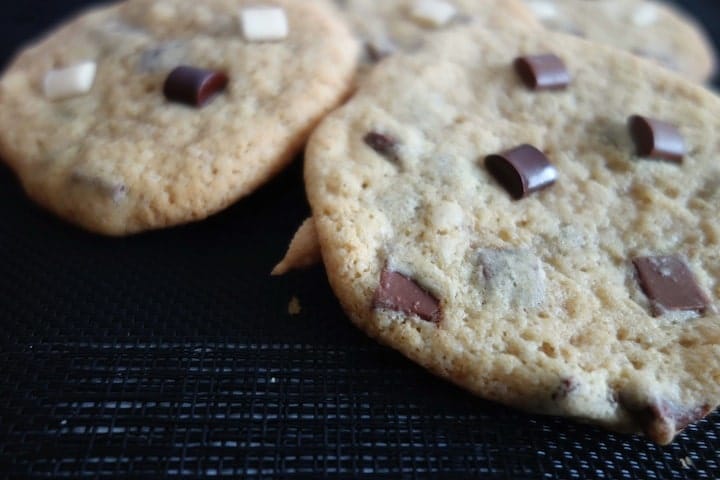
{"points": [[153, 113], [533, 217]]}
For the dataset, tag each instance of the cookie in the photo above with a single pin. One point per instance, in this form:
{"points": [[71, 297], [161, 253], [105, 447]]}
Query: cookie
{"points": [[154, 113], [304, 250], [646, 28], [386, 27], [533, 217]]}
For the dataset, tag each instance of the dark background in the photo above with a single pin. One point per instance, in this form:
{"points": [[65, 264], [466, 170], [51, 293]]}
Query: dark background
{"points": [[172, 355]]}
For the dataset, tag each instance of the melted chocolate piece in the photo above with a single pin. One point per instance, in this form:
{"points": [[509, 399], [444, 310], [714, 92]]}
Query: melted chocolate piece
{"points": [[194, 86], [656, 139], [383, 144], [522, 170], [543, 72], [400, 293], [670, 285]]}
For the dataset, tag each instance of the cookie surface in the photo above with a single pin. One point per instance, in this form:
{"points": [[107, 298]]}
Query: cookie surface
{"points": [[645, 28], [122, 158], [386, 27], [555, 303]]}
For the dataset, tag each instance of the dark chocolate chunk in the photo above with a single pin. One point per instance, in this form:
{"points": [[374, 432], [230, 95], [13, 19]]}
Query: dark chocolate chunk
{"points": [[400, 293], [670, 285], [543, 72], [385, 145], [656, 139], [522, 170], [194, 86]]}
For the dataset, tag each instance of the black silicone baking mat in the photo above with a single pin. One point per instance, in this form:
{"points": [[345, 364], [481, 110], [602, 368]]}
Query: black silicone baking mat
{"points": [[173, 355]]}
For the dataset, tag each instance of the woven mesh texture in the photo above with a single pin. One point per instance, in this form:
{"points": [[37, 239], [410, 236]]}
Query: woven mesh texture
{"points": [[172, 355]]}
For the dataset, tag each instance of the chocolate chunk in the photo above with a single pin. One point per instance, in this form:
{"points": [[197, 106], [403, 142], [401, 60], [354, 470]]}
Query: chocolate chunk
{"points": [[194, 86], [400, 293], [543, 72], [385, 145], [656, 139], [522, 170], [670, 285]]}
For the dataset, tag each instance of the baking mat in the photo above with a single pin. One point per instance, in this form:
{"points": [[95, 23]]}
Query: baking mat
{"points": [[173, 355]]}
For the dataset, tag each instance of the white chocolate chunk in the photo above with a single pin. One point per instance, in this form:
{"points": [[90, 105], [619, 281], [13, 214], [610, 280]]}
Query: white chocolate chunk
{"points": [[264, 24], [70, 81], [645, 15], [543, 10], [433, 13]]}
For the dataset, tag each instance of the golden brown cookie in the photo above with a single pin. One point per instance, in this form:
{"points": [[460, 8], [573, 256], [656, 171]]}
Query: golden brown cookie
{"points": [[533, 217], [104, 131]]}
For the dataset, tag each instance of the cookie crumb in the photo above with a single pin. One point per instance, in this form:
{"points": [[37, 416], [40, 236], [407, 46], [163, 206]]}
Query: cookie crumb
{"points": [[687, 463], [303, 252], [294, 307]]}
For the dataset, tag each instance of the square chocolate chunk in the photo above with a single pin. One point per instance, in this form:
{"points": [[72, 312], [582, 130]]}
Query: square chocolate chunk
{"points": [[670, 285], [400, 293]]}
